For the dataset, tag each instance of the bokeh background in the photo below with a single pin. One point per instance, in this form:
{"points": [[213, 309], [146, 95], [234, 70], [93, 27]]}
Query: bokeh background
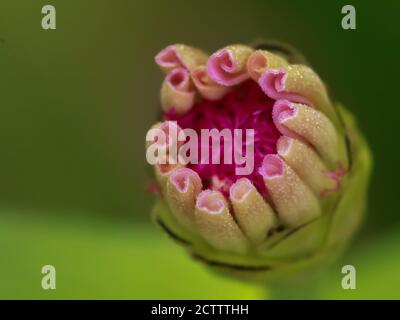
{"points": [[75, 104]]}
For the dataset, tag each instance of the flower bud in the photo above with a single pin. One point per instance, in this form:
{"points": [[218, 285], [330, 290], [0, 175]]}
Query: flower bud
{"points": [[303, 194]]}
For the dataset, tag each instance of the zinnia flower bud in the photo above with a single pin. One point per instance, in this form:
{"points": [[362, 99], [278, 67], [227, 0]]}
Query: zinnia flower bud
{"points": [[303, 194]]}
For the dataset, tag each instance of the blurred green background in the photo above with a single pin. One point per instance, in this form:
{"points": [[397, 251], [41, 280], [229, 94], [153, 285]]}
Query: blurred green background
{"points": [[75, 106]]}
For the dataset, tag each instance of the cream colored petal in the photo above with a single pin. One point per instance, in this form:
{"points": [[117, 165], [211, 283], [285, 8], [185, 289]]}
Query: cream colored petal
{"points": [[297, 83], [182, 188], [306, 163], [301, 121], [294, 201], [253, 214], [177, 92], [163, 172], [207, 88], [227, 66], [216, 225], [180, 55], [261, 60]]}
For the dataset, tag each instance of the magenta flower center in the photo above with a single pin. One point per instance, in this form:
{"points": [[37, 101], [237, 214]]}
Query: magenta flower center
{"points": [[245, 107]]}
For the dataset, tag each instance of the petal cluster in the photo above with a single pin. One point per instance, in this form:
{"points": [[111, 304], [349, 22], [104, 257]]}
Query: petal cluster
{"points": [[301, 144]]}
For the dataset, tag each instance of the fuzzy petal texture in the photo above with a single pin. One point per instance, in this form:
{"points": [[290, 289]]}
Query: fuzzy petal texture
{"points": [[207, 88], [182, 187], [216, 224], [294, 201], [180, 55], [253, 214], [176, 91], [261, 60], [301, 121], [227, 66], [306, 163]]}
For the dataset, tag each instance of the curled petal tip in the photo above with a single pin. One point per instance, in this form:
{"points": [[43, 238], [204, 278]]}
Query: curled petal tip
{"points": [[256, 64], [308, 124], [261, 60], [168, 58], [211, 201], [179, 79], [182, 188], [240, 190], [216, 224], [165, 150], [297, 83], [294, 201], [207, 88], [227, 66], [180, 55], [181, 179], [283, 110], [272, 167], [272, 82], [176, 91], [163, 171], [274, 85], [253, 214]]}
